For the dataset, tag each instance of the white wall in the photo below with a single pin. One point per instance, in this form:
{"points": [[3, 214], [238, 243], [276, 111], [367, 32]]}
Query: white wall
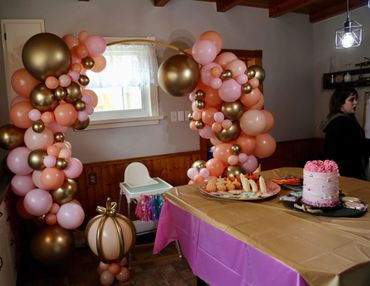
{"points": [[287, 59], [324, 50]]}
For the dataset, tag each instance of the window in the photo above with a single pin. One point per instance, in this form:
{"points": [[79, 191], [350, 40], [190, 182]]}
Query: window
{"points": [[127, 87]]}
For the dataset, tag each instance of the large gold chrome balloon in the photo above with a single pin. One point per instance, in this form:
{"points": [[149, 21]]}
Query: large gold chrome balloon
{"points": [[73, 92], [43, 98], [45, 55], [178, 75], [11, 136], [257, 72], [66, 192], [232, 110], [52, 244], [199, 164], [229, 134], [36, 159], [80, 125]]}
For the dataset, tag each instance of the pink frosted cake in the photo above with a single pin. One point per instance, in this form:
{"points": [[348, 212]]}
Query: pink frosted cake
{"points": [[321, 184]]}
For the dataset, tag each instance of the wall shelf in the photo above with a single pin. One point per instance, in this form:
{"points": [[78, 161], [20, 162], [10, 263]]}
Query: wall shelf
{"points": [[360, 77]]}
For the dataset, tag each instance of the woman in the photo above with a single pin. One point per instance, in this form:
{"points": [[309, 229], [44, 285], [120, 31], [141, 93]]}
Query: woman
{"points": [[345, 141]]}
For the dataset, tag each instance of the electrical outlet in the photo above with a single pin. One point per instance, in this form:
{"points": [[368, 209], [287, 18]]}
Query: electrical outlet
{"points": [[180, 115], [173, 116], [92, 178]]}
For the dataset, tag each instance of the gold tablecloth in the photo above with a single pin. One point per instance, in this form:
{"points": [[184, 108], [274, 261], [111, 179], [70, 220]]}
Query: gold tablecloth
{"points": [[324, 250]]}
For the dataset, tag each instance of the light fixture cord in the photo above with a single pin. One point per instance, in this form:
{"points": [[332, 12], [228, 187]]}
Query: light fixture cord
{"points": [[347, 10]]}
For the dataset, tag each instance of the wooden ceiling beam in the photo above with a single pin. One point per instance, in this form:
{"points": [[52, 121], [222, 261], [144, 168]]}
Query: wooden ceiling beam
{"points": [[160, 3], [281, 7], [225, 5]]}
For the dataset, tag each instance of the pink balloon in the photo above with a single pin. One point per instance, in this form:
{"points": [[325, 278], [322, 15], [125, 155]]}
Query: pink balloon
{"points": [[206, 132], [213, 37], [250, 165], [226, 124], [82, 116], [230, 90], [38, 140], [17, 161], [237, 67], [252, 122], [21, 185], [64, 80], [106, 278], [70, 215], [216, 127], [49, 161], [123, 274], [216, 83], [34, 114], [242, 79], [74, 168], [204, 52], [74, 75], [55, 127], [96, 45], [233, 160], [100, 63], [65, 153], [204, 172], [206, 75], [224, 58], [37, 202], [242, 157], [192, 172], [17, 99], [219, 117], [36, 178]]}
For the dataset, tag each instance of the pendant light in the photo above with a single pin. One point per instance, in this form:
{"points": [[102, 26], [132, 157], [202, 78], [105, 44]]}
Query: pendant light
{"points": [[350, 35]]}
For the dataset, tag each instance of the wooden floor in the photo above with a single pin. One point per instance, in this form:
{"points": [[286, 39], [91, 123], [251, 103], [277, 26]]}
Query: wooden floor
{"points": [[80, 269]]}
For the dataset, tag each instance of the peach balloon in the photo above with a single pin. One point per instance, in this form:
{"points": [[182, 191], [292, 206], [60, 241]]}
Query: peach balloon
{"points": [[213, 37], [77, 67], [222, 152], [38, 140], [198, 179], [99, 63], [269, 120], [70, 40], [252, 122], [254, 82], [80, 51], [53, 150], [114, 268], [23, 82], [82, 36], [19, 114], [36, 179], [265, 146], [17, 99], [215, 167], [259, 105], [208, 115], [192, 126], [246, 143], [224, 58], [212, 98], [250, 99], [47, 117], [65, 114], [50, 219], [93, 96], [51, 82], [52, 178], [237, 67]]}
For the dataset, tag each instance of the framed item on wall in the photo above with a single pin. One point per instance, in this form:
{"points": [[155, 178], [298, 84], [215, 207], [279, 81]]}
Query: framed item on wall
{"points": [[366, 115]]}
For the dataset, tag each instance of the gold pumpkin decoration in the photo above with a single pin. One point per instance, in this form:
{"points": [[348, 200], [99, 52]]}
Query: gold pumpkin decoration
{"points": [[110, 235]]}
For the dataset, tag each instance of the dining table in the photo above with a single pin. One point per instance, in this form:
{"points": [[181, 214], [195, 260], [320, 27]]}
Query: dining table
{"points": [[264, 242]]}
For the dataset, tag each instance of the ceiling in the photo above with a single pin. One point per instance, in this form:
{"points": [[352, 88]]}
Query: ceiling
{"points": [[316, 9]]}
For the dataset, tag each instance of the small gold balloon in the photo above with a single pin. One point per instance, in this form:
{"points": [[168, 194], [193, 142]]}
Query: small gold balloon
{"points": [[199, 124], [88, 63], [80, 105], [232, 171], [257, 72], [66, 192], [235, 149], [178, 75], [226, 74], [246, 88], [59, 137], [73, 92], [84, 80], [41, 218], [199, 94], [60, 93], [199, 164], [80, 125], [190, 116], [229, 134], [232, 110], [11, 136], [36, 159], [61, 163], [42, 98], [200, 104], [38, 126]]}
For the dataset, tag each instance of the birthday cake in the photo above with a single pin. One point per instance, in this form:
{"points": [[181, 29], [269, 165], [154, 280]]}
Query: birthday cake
{"points": [[321, 184]]}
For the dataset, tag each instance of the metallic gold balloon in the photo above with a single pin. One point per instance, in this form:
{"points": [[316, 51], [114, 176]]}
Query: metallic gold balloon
{"points": [[232, 110], [38, 126], [61, 163], [199, 95], [52, 244], [36, 159], [66, 192], [73, 92], [200, 104], [199, 164], [235, 149], [229, 134], [232, 171], [88, 63], [199, 124], [257, 72], [80, 125], [43, 98], [59, 137], [84, 80], [60, 93], [80, 105], [11, 137], [226, 74], [246, 88], [178, 75], [190, 116], [45, 55]]}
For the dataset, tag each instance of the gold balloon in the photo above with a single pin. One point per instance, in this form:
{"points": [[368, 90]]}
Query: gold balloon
{"points": [[60, 93], [73, 92], [235, 149], [232, 171], [232, 110], [80, 125], [199, 95], [38, 126], [199, 164], [199, 124], [229, 134], [52, 244], [36, 159], [43, 98], [45, 55], [84, 80], [190, 116], [59, 137], [178, 75], [11, 137], [257, 72], [246, 88], [80, 105], [226, 74], [200, 104], [88, 63], [66, 192], [61, 163]]}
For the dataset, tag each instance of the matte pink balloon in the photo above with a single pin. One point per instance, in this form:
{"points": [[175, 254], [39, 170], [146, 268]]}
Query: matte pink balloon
{"points": [[37, 202], [74, 168], [96, 45], [250, 165], [242, 157], [17, 161], [253, 122], [214, 37], [204, 172], [70, 215], [204, 52], [216, 83], [36, 175], [64, 80], [224, 58], [21, 185], [206, 132], [233, 160], [219, 117], [34, 114], [74, 75], [237, 67], [206, 75], [106, 278], [82, 116], [49, 161], [38, 140], [192, 172], [242, 79], [230, 90]]}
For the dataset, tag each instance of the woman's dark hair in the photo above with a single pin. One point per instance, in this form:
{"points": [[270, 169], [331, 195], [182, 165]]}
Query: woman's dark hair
{"points": [[339, 97]]}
